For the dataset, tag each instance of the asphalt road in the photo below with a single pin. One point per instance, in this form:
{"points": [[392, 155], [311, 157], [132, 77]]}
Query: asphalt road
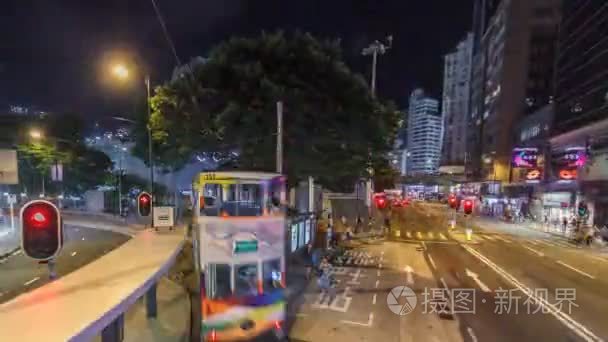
{"points": [[19, 274], [497, 287]]}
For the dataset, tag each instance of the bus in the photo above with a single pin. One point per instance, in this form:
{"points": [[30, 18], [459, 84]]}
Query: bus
{"points": [[240, 243]]}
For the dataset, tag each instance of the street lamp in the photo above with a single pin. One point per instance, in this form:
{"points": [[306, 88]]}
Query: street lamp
{"points": [[376, 48], [36, 134], [121, 72]]}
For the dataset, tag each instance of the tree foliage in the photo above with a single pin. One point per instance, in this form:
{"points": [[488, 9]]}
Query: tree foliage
{"points": [[228, 103]]}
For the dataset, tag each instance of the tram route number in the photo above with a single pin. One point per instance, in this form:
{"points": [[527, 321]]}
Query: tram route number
{"points": [[209, 176]]}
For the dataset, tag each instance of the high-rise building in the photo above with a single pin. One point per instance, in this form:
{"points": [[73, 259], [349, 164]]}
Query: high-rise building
{"points": [[579, 142], [424, 134], [513, 76], [455, 104]]}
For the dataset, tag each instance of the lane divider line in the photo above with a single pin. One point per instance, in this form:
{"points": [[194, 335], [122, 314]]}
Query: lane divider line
{"points": [[374, 299], [472, 334], [575, 269], [564, 318], [31, 281], [432, 261], [533, 251]]}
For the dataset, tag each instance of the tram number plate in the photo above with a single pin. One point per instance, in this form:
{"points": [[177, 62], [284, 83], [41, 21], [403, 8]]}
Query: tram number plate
{"points": [[209, 176]]}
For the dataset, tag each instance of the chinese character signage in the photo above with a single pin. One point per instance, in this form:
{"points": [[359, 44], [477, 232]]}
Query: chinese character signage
{"points": [[525, 157], [567, 163]]}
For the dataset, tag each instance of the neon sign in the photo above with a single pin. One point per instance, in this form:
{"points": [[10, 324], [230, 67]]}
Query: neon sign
{"points": [[533, 175], [568, 174], [525, 157]]}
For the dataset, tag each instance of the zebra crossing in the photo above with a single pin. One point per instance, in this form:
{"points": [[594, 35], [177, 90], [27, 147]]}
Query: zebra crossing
{"points": [[538, 242], [424, 236], [358, 258]]}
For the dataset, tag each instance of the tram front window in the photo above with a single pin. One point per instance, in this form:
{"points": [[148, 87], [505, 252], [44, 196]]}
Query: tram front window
{"points": [[272, 274], [218, 281], [245, 282]]}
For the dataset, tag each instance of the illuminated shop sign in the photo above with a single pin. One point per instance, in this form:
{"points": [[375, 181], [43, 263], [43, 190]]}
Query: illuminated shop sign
{"points": [[534, 175], [525, 157]]}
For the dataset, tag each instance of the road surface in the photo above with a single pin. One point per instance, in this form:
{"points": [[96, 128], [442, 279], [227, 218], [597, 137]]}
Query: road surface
{"points": [[19, 273], [497, 287]]}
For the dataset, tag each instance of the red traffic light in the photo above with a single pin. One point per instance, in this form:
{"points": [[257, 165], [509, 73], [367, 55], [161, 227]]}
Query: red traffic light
{"points": [[144, 204], [468, 206], [41, 230]]}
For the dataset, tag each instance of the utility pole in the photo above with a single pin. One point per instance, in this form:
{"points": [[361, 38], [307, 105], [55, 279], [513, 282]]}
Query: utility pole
{"points": [[279, 137], [150, 160]]}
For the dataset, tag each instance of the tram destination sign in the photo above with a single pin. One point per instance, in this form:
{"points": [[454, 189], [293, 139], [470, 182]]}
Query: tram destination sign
{"points": [[245, 246]]}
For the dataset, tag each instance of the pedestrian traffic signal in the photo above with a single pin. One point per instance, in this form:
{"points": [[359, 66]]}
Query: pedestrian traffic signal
{"points": [[468, 207], [144, 204], [41, 230], [582, 209]]}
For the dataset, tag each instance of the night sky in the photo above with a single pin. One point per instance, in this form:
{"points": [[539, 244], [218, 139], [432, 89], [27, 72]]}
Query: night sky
{"points": [[55, 53]]}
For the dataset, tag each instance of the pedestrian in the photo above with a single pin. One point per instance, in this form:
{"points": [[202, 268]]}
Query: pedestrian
{"points": [[565, 224], [308, 260]]}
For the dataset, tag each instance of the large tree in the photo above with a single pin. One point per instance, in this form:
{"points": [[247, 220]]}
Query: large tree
{"points": [[228, 103]]}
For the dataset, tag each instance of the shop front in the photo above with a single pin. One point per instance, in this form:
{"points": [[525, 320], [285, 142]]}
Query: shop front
{"points": [[558, 206]]}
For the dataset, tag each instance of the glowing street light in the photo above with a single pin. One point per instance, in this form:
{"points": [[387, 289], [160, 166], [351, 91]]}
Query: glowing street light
{"points": [[36, 134], [120, 71]]}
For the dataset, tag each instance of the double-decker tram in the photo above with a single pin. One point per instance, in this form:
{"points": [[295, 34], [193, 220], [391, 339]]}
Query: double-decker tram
{"points": [[240, 243]]}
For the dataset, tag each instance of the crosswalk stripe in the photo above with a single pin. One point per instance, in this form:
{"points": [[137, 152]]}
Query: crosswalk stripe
{"points": [[442, 237], [431, 235], [419, 235], [503, 239], [533, 242], [545, 243], [409, 234]]}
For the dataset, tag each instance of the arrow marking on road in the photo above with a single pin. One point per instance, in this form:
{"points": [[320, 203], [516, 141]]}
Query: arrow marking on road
{"points": [[534, 251], [409, 273], [475, 277]]}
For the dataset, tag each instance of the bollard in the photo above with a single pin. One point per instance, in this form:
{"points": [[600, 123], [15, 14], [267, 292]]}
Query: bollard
{"points": [[469, 233], [151, 308]]}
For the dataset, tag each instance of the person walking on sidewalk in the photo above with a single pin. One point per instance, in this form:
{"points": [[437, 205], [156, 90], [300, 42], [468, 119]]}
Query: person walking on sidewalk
{"points": [[308, 260], [326, 282]]}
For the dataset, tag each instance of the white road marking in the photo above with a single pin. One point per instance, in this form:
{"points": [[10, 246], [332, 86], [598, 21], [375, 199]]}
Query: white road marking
{"points": [[423, 245], [489, 237], [73, 253], [419, 235], [472, 334], [378, 273], [382, 253], [298, 314], [546, 243], [379, 265], [377, 283], [408, 234], [374, 299], [31, 281], [564, 318], [575, 269], [431, 235], [409, 274], [444, 283], [533, 242], [502, 239], [432, 261], [17, 252], [475, 278], [598, 258], [442, 237], [369, 323], [83, 238], [534, 251]]}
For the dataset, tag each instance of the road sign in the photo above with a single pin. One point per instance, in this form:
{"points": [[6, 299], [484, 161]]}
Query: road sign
{"points": [[163, 217], [12, 199], [8, 167]]}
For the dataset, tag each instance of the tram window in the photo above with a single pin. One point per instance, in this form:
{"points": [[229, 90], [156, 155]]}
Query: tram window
{"points": [[210, 198], [247, 201], [274, 199], [272, 274], [218, 281], [246, 279]]}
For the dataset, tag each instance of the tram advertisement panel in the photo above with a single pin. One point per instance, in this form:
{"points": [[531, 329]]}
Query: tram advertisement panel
{"points": [[242, 276]]}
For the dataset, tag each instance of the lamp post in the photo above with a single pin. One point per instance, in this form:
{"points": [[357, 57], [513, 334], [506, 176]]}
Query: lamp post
{"points": [[122, 72]]}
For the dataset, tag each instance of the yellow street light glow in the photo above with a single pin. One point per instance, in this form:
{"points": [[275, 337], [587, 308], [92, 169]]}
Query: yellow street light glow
{"points": [[120, 71], [35, 134]]}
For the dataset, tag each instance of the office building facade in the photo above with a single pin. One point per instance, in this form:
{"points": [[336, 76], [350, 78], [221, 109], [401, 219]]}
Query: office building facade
{"points": [[455, 101], [424, 134]]}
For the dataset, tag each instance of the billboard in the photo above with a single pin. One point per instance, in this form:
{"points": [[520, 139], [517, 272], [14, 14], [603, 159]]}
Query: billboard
{"points": [[566, 164], [8, 167], [534, 175], [525, 157]]}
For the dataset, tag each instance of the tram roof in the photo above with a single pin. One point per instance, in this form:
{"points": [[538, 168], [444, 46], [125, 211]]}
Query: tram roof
{"points": [[242, 175]]}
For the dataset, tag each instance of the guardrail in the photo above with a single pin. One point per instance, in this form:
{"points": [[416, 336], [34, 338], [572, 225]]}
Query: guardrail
{"points": [[93, 299]]}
